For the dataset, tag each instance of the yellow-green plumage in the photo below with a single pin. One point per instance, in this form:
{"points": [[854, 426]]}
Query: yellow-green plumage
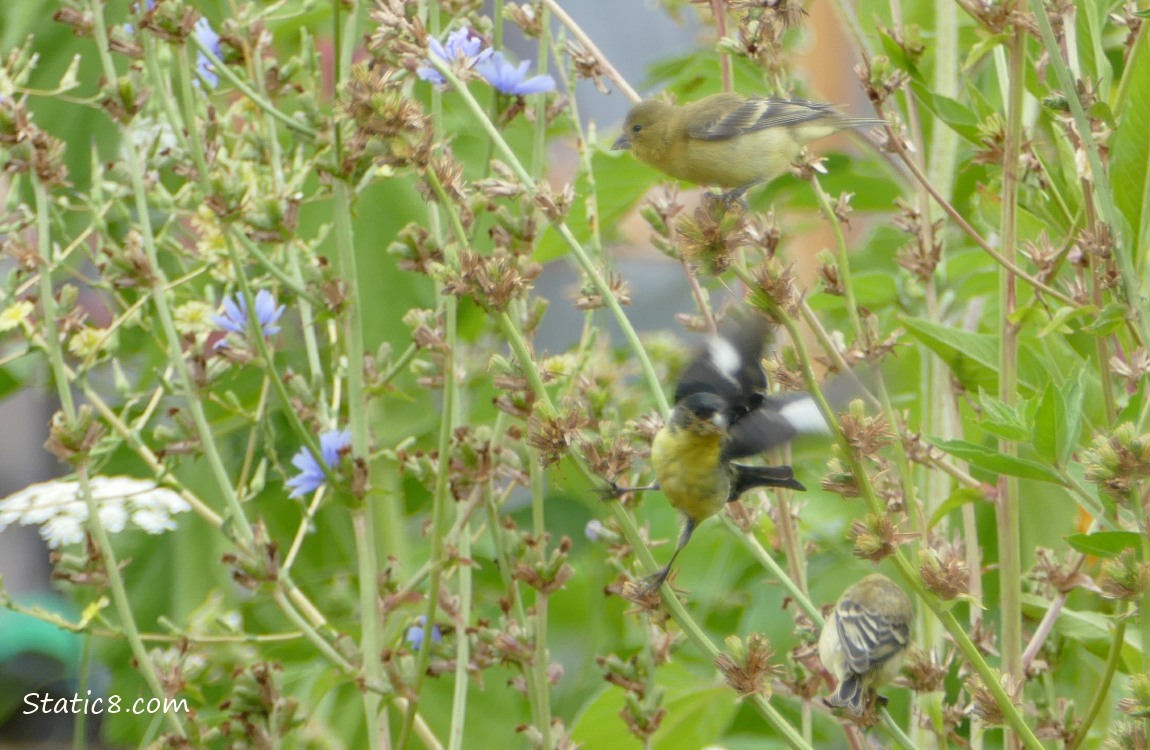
{"points": [[721, 414], [865, 639], [684, 457], [727, 139]]}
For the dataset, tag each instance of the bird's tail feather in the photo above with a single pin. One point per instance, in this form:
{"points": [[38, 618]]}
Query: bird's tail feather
{"points": [[750, 477], [851, 695]]}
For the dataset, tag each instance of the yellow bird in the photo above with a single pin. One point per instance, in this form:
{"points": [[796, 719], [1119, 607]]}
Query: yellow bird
{"points": [[722, 412], [727, 139], [864, 640]]}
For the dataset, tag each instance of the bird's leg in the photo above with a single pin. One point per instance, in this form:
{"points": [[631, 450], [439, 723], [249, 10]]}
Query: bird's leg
{"points": [[614, 491], [654, 581], [737, 195]]}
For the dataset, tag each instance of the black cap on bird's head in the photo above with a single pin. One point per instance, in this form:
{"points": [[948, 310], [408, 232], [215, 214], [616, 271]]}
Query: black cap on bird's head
{"points": [[726, 377], [702, 410]]}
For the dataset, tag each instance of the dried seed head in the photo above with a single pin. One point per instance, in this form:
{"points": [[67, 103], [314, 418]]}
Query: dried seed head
{"points": [[1124, 577], [876, 537], [552, 436], [983, 704], [840, 479], [777, 283], [586, 64], [711, 236], [527, 17], [943, 569], [391, 128], [924, 673], [747, 668], [1117, 461], [493, 281], [866, 434]]}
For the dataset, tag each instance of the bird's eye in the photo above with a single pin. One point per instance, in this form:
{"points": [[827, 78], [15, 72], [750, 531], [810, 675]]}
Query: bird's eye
{"points": [[636, 128]]}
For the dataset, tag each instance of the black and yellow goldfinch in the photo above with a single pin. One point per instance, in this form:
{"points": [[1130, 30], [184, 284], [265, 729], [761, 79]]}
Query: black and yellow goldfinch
{"points": [[864, 640], [722, 413], [729, 140]]}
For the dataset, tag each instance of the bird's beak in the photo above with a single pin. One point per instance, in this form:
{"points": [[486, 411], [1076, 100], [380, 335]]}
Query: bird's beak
{"points": [[622, 143]]}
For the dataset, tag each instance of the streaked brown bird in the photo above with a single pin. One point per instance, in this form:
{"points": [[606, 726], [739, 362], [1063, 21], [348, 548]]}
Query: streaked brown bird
{"points": [[864, 641]]}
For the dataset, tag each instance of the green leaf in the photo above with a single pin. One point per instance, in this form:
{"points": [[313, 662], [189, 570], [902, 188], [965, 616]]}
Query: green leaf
{"points": [[1110, 319], [1058, 321], [1092, 630], [1130, 148], [1105, 543], [1058, 419], [898, 55], [993, 461], [981, 49], [1046, 424], [698, 711], [954, 113], [957, 499], [972, 357], [1005, 421], [1071, 394]]}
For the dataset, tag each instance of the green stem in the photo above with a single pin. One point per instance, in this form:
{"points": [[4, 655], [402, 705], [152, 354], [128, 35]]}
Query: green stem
{"points": [[1102, 191], [1102, 691], [906, 571], [462, 646], [441, 499], [228, 75], [577, 249], [793, 589], [53, 348], [1007, 509]]}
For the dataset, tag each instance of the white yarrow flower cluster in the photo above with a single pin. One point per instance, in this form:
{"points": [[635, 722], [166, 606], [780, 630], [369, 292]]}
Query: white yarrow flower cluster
{"points": [[58, 508]]}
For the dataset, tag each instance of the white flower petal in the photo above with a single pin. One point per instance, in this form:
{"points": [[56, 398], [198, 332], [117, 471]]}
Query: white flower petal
{"points": [[153, 521], [62, 530], [113, 515], [60, 508]]}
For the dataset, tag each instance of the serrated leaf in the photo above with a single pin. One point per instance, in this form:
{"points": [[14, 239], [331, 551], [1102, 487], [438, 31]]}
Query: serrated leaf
{"points": [[1105, 543], [957, 499], [999, 463], [1004, 421]]}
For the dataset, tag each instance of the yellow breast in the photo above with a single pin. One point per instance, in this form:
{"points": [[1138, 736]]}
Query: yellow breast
{"points": [[689, 472]]}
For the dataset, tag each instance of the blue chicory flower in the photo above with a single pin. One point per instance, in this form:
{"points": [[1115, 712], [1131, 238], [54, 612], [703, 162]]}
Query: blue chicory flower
{"points": [[463, 48], [512, 79], [210, 39], [414, 635], [311, 476], [235, 317]]}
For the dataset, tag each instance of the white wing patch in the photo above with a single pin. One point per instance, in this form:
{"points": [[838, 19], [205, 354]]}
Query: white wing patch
{"points": [[725, 358], [804, 415]]}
